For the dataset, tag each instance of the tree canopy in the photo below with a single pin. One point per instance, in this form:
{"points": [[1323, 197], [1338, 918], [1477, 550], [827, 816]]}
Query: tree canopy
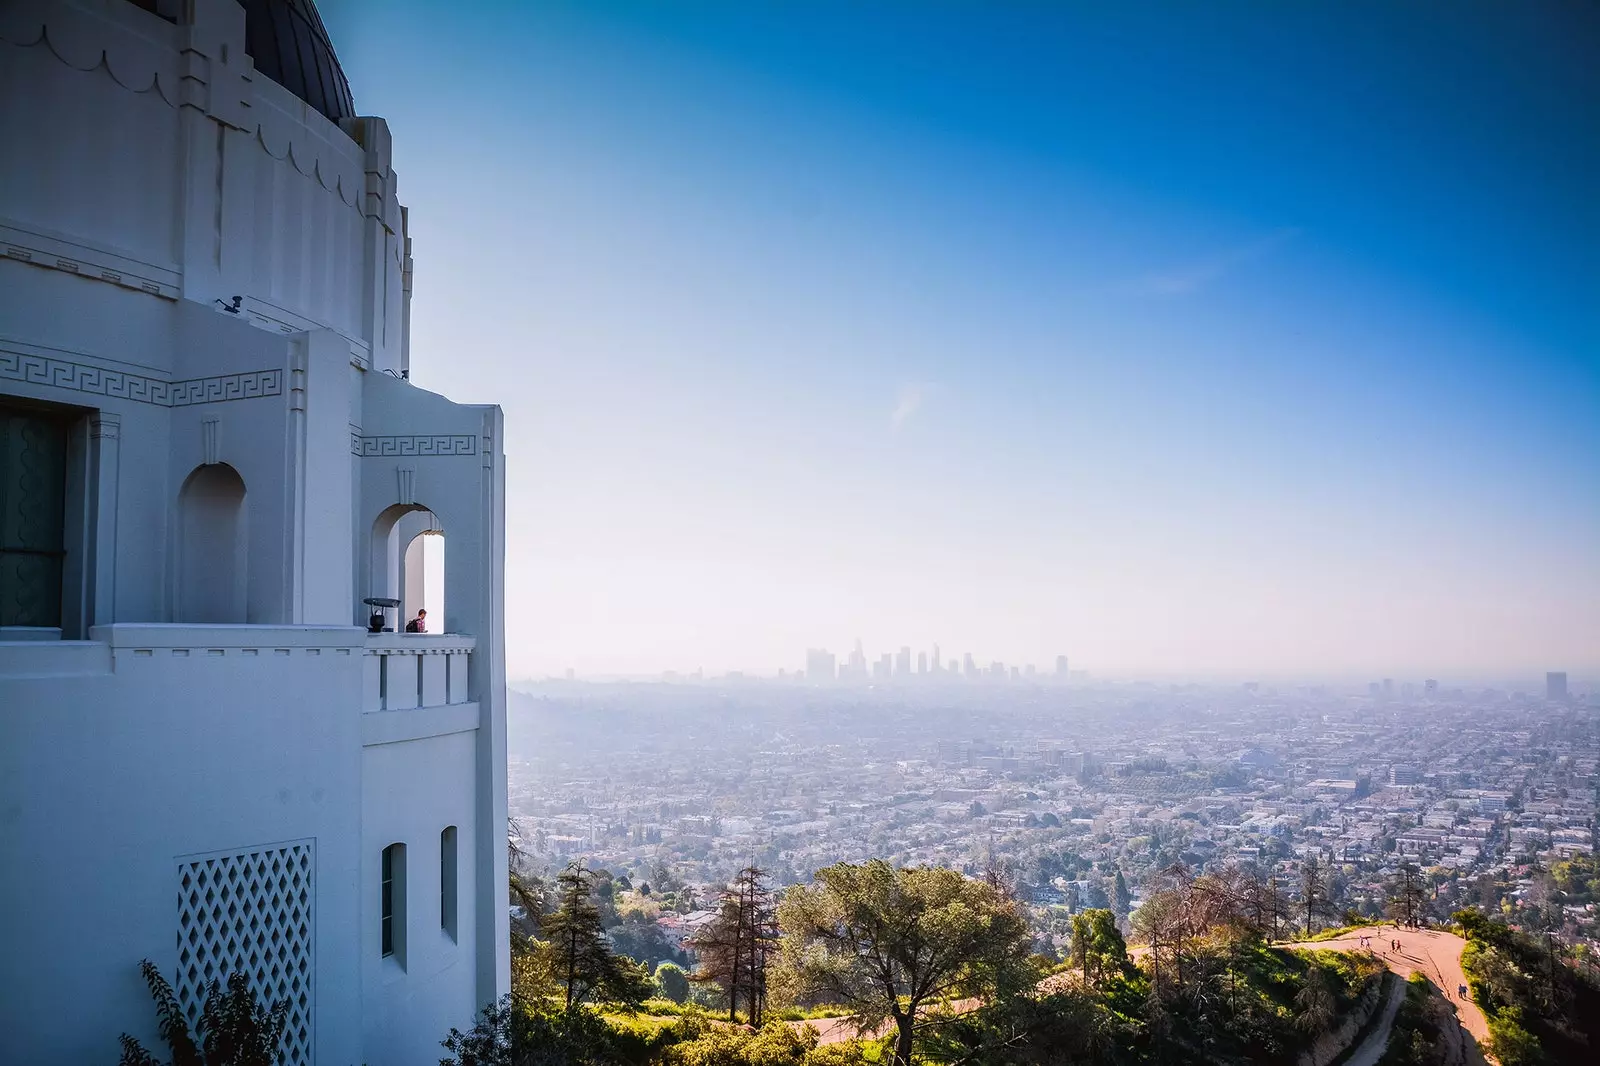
{"points": [[889, 943]]}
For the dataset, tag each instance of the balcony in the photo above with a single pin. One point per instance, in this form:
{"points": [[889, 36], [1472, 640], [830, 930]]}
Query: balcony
{"points": [[423, 677], [403, 671]]}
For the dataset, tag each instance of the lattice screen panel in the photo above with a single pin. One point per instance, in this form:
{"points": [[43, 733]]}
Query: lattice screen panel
{"points": [[250, 912]]}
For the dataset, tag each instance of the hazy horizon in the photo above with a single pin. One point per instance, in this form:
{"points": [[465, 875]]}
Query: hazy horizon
{"points": [[1182, 343]]}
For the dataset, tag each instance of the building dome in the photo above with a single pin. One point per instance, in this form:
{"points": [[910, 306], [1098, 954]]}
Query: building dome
{"points": [[287, 40], [289, 44]]}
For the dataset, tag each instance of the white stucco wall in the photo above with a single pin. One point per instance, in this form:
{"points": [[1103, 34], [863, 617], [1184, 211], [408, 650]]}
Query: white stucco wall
{"points": [[137, 744]]}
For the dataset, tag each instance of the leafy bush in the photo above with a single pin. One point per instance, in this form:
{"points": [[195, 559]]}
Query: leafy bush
{"points": [[234, 1029]]}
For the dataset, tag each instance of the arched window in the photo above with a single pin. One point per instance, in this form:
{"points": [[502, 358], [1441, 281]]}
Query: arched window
{"points": [[407, 563], [212, 558], [447, 881], [392, 903]]}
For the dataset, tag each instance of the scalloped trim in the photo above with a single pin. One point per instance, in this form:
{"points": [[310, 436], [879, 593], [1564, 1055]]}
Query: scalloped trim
{"points": [[86, 44]]}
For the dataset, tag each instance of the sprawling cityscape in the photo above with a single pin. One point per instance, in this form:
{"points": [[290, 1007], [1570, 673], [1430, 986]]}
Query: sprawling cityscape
{"points": [[1070, 785]]}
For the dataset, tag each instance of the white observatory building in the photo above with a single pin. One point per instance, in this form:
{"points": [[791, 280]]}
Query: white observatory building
{"points": [[210, 456]]}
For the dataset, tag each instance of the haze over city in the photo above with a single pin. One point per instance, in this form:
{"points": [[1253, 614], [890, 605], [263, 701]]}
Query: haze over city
{"points": [[1147, 335]]}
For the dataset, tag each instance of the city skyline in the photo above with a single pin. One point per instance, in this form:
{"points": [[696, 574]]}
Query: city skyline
{"points": [[1131, 330]]}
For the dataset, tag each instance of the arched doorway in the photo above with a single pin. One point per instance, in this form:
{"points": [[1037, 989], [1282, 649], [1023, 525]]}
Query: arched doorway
{"points": [[212, 565], [407, 562]]}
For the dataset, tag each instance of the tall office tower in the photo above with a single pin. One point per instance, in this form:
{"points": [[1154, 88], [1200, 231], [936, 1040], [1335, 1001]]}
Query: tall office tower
{"points": [[1016, 673], [968, 666], [1555, 685], [820, 665], [902, 663], [1061, 666], [1388, 687], [858, 663], [884, 667], [1374, 689], [1429, 687], [227, 485], [922, 662], [1031, 671], [937, 663], [997, 669]]}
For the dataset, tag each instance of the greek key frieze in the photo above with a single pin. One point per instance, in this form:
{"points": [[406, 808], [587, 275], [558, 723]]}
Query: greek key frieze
{"points": [[425, 444], [122, 385]]}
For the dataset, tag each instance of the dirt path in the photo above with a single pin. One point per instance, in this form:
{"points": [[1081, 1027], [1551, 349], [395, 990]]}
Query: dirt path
{"points": [[1434, 954], [1372, 1048]]}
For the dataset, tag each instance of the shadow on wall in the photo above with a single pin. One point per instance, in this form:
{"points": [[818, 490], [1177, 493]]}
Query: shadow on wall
{"points": [[212, 557]]}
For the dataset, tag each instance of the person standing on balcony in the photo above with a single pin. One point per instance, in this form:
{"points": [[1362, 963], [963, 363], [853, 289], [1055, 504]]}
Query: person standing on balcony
{"points": [[419, 624]]}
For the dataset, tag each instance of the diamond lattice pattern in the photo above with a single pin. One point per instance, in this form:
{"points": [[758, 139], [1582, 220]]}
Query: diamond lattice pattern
{"points": [[250, 912]]}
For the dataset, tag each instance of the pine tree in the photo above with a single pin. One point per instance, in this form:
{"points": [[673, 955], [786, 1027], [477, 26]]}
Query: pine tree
{"points": [[736, 946], [583, 959], [1313, 891], [1409, 893], [1121, 898]]}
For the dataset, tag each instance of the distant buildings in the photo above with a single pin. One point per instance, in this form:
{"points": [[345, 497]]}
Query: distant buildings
{"points": [[902, 663], [820, 665], [1061, 666], [1403, 775], [1555, 685]]}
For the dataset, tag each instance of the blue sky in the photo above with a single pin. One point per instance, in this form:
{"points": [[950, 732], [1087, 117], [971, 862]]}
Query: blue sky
{"points": [[1253, 339]]}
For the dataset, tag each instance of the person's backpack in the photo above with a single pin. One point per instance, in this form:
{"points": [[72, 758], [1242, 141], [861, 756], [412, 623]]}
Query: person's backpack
{"points": [[411, 627]]}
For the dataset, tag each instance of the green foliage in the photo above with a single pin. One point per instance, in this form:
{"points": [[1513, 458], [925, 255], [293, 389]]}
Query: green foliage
{"points": [[673, 982], [1541, 1008], [1068, 1026], [508, 1035], [889, 942], [775, 1044], [234, 1029], [580, 958], [1510, 1042]]}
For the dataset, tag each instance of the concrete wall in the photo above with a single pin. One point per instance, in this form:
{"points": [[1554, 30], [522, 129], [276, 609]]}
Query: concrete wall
{"points": [[191, 740], [148, 174]]}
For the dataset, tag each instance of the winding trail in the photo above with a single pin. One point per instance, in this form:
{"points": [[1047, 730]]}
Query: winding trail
{"points": [[1370, 1050], [1434, 954]]}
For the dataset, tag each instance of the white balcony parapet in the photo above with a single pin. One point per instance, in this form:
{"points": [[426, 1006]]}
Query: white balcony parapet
{"points": [[110, 644], [402, 671]]}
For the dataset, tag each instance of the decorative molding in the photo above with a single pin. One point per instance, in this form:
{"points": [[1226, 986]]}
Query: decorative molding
{"points": [[121, 385], [210, 440], [426, 444], [298, 366], [106, 426], [408, 484], [283, 127], [55, 251]]}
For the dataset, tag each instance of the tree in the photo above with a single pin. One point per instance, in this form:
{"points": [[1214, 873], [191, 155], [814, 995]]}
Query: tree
{"points": [[234, 1029], [1313, 891], [1408, 895], [583, 961], [736, 946], [1097, 943], [673, 982], [890, 942], [1315, 1000], [1121, 898]]}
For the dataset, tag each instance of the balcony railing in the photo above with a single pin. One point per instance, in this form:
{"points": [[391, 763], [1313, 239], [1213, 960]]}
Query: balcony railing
{"points": [[402, 671]]}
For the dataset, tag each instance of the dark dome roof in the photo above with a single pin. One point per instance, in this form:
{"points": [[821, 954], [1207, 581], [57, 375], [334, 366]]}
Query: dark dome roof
{"points": [[289, 44]]}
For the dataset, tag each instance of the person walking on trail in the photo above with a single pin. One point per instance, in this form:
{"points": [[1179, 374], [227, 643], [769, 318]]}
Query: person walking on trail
{"points": [[1461, 991]]}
